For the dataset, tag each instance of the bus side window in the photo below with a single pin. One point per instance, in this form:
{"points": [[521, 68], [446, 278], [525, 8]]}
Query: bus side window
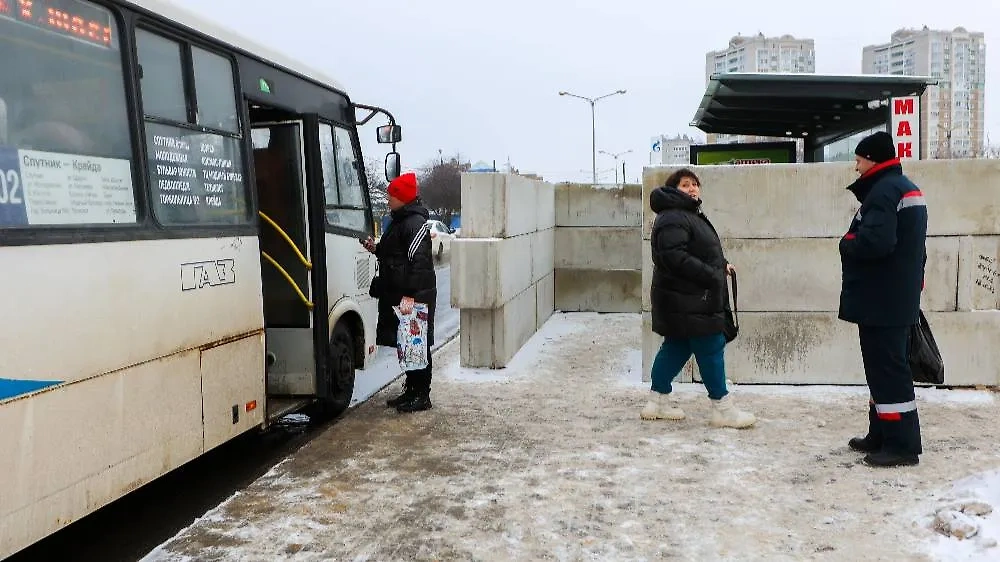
{"points": [[213, 78], [193, 139], [66, 149], [162, 76], [345, 201]]}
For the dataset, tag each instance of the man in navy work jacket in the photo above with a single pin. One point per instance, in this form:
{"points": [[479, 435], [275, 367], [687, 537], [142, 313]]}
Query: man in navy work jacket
{"points": [[883, 256]]}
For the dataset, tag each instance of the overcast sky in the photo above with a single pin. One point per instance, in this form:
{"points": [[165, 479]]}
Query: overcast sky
{"points": [[482, 78]]}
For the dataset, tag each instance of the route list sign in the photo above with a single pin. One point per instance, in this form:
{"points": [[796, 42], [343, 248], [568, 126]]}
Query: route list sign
{"points": [[48, 188], [195, 177]]}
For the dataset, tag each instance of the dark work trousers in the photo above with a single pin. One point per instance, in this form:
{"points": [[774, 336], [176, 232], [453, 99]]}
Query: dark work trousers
{"points": [[894, 424], [420, 380]]}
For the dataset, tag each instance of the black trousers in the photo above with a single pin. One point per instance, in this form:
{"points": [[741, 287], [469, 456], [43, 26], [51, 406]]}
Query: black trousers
{"points": [[420, 380], [893, 419]]}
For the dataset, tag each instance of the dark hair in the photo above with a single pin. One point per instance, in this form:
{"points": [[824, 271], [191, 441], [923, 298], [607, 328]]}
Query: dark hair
{"points": [[675, 178]]}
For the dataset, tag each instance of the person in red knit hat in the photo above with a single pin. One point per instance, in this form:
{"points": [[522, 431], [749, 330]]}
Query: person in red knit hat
{"points": [[403, 189], [406, 275]]}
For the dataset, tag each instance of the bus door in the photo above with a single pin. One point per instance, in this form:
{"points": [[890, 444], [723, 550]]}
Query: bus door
{"points": [[289, 268]]}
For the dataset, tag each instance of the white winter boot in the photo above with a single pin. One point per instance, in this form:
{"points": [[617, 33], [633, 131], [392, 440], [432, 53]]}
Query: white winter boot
{"points": [[725, 414], [661, 407]]}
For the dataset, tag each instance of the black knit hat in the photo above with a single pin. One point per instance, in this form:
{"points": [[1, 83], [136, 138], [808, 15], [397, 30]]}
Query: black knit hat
{"points": [[878, 147]]}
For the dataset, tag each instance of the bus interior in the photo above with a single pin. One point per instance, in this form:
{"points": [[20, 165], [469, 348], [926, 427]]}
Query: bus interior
{"points": [[290, 245]]}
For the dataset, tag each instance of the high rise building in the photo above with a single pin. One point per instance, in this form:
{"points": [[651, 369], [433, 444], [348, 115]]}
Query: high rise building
{"points": [[952, 116], [762, 54], [758, 53]]}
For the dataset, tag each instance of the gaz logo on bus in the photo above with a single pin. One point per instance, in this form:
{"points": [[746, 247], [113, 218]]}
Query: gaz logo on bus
{"points": [[198, 275]]}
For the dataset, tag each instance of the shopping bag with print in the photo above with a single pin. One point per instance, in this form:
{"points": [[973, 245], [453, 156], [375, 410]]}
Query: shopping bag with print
{"points": [[411, 340]]}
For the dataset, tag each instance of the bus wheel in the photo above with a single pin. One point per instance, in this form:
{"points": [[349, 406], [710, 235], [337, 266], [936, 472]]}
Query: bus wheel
{"points": [[339, 377]]}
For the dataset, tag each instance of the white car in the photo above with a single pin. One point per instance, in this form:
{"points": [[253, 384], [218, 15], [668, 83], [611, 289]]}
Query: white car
{"points": [[441, 237]]}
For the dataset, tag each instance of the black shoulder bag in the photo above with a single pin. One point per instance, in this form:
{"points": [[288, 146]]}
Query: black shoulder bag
{"points": [[925, 360]]}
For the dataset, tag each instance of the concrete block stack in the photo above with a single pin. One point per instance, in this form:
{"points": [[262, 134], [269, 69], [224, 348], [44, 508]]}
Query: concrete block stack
{"points": [[597, 260], [781, 227], [502, 266]]}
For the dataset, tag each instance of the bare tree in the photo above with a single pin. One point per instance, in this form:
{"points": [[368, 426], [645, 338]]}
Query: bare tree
{"points": [[377, 188], [990, 150], [441, 187]]}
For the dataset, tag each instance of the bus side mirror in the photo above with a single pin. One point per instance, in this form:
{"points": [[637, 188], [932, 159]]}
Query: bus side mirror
{"points": [[389, 134], [392, 166]]}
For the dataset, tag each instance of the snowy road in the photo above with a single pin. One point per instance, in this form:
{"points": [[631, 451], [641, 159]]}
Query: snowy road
{"points": [[548, 460]]}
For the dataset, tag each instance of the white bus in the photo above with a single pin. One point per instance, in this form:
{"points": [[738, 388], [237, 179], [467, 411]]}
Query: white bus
{"points": [[180, 211]]}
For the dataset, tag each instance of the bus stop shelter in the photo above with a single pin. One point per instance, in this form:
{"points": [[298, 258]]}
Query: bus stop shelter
{"points": [[818, 108]]}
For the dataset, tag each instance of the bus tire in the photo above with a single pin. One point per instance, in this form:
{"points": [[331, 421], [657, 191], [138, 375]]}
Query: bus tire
{"points": [[339, 376]]}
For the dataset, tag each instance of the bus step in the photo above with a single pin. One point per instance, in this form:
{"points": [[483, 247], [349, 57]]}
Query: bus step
{"points": [[280, 407]]}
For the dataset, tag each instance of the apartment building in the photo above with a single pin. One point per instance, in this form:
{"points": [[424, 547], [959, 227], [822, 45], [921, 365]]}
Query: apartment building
{"points": [[757, 53], [952, 116]]}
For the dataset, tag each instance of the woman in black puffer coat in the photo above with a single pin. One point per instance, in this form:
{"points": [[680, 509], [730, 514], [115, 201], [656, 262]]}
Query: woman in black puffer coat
{"points": [[689, 297]]}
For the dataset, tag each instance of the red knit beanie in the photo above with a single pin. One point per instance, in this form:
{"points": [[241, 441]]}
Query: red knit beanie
{"points": [[404, 187]]}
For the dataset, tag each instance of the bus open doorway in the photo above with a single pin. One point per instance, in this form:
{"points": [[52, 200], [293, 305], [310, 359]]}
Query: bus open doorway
{"points": [[289, 249]]}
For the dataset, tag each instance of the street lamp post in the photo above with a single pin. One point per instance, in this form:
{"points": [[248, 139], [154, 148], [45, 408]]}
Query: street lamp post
{"points": [[616, 156], [593, 124]]}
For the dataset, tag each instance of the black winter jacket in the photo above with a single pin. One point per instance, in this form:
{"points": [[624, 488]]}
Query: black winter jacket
{"points": [[406, 269], [884, 251], [689, 293]]}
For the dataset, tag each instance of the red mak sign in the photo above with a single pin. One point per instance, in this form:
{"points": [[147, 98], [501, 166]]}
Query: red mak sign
{"points": [[905, 126]]}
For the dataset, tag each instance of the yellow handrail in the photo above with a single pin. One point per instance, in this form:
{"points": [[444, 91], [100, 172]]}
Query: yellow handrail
{"points": [[287, 238], [288, 278]]}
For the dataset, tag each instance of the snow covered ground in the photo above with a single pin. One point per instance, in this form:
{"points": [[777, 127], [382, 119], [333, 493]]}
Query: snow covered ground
{"points": [[967, 517], [548, 460]]}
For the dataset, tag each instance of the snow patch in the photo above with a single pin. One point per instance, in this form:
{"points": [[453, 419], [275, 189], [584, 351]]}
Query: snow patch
{"points": [[820, 392], [524, 364], [964, 522], [630, 373], [295, 419], [955, 396]]}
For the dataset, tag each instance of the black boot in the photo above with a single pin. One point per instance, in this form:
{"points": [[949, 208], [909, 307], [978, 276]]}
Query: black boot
{"points": [[404, 397], [418, 402], [888, 459], [871, 443], [901, 442], [864, 444]]}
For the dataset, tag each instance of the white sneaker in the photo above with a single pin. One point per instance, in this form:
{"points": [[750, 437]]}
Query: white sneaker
{"points": [[661, 407], [725, 414]]}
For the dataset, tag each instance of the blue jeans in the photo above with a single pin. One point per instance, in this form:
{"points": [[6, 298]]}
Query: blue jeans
{"points": [[675, 352]]}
